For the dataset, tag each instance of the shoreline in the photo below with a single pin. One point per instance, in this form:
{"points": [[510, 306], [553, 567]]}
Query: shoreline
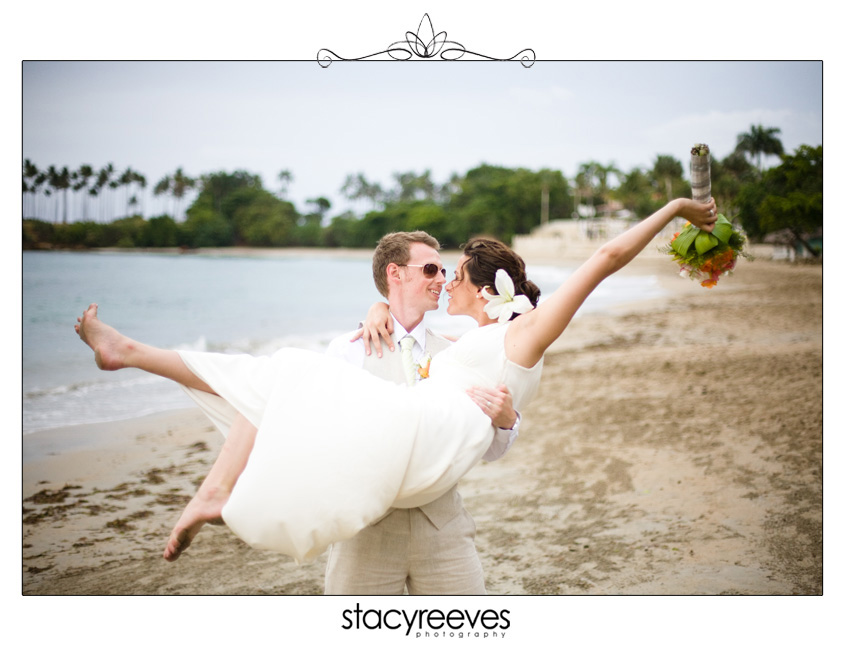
{"points": [[609, 490], [41, 416], [223, 252], [51, 447], [574, 253]]}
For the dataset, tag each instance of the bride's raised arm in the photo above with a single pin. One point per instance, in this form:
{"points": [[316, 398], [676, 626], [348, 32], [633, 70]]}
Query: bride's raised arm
{"points": [[532, 333]]}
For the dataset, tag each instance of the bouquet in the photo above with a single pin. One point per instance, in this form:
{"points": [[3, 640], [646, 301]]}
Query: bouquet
{"points": [[701, 255]]}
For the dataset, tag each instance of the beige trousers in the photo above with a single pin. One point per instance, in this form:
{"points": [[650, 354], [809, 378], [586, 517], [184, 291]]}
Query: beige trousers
{"points": [[430, 555], [406, 550]]}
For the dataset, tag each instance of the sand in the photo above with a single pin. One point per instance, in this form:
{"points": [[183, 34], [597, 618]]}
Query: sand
{"points": [[675, 448]]}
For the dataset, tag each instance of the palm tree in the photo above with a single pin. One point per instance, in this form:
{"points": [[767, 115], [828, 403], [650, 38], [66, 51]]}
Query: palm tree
{"points": [[94, 191], [75, 184], [25, 188], [585, 182], [357, 187], [449, 188], [758, 141], [593, 181], [114, 184], [54, 183], [64, 186], [126, 178], [163, 186], [321, 206], [603, 173], [728, 177], [412, 187], [30, 172], [180, 184], [84, 173], [142, 182], [177, 186], [666, 171], [285, 177], [43, 179], [103, 181], [635, 192]]}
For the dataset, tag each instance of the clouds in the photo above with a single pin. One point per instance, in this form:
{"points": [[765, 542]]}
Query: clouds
{"points": [[541, 97], [720, 129], [386, 117]]}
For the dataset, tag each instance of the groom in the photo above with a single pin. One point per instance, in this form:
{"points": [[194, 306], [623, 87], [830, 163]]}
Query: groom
{"points": [[427, 550]]}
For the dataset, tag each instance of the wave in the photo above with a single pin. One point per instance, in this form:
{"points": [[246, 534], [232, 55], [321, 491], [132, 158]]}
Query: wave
{"points": [[128, 394], [62, 389], [82, 388]]}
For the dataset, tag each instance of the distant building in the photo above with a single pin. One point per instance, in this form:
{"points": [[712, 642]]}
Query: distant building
{"points": [[786, 246], [570, 238]]}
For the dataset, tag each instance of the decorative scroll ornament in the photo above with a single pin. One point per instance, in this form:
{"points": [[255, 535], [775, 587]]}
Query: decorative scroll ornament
{"points": [[425, 44]]}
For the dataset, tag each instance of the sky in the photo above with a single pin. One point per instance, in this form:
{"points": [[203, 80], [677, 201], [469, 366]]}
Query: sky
{"points": [[383, 117]]}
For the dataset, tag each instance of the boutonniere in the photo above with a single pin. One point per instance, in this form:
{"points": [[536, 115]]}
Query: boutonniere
{"points": [[423, 368]]}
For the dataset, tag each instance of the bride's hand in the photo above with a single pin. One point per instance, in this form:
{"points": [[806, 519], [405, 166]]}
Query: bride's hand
{"points": [[377, 326], [700, 214], [497, 404]]}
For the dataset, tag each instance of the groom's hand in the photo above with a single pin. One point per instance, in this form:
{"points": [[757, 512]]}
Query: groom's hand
{"points": [[497, 404]]}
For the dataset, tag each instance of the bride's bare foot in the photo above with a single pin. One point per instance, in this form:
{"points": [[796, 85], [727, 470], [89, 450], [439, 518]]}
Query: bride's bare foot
{"points": [[205, 508], [109, 345]]}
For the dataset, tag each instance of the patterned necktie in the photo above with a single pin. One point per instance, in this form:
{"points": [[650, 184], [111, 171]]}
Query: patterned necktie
{"points": [[407, 359]]}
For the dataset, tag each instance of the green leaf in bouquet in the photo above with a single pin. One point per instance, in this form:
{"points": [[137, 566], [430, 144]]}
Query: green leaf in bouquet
{"points": [[723, 229], [704, 242], [736, 240], [683, 241]]}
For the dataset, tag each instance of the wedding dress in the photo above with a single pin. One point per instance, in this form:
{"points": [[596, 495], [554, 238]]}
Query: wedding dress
{"points": [[337, 447]]}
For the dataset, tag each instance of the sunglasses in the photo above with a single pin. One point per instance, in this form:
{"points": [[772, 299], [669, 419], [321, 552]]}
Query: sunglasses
{"points": [[430, 270]]}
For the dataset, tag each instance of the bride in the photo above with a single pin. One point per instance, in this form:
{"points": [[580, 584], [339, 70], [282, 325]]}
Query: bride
{"points": [[317, 449]]}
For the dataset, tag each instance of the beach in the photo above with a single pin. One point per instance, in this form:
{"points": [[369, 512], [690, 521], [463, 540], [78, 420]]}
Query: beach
{"points": [[675, 448]]}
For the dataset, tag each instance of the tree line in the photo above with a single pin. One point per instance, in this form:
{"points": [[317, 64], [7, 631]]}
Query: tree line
{"points": [[235, 209]]}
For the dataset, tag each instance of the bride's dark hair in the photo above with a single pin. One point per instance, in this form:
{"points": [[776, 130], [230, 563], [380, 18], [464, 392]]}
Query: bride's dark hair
{"points": [[486, 256]]}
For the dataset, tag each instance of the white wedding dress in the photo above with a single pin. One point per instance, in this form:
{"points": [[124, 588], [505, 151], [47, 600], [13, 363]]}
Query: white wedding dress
{"points": [[337, 446]]}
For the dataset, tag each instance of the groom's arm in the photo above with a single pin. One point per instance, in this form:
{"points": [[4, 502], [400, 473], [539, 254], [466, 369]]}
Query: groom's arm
{"points": [[343, 348], [501, 443], [497, 403], [503, 416]]}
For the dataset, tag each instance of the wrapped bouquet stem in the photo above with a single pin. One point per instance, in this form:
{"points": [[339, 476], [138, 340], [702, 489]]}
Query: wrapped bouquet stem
{"points": [[699, 172], [705, 256]]}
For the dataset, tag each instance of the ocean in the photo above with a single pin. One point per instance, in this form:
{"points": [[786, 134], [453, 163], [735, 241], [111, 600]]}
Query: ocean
{"points": [[204, 302]]}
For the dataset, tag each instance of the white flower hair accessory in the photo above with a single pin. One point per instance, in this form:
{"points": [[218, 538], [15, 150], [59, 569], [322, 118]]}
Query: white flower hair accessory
{"points": [[506, 302]]}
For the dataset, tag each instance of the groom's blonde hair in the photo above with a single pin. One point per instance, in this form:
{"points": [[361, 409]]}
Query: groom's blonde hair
{"points": [[395, 248]]}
